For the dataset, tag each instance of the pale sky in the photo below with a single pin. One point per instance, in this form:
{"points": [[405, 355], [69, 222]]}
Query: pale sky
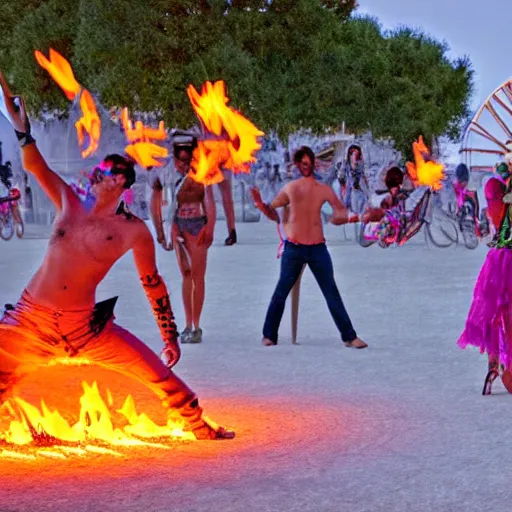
{"points": [[481, 30]]}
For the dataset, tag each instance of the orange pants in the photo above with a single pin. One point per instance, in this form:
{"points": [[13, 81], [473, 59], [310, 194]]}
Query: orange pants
{"points": [[32, 335]]}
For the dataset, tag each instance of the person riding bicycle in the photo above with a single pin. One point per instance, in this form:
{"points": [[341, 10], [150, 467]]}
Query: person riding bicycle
{"points": [[467, 202], [397, 190], [8, 193]]}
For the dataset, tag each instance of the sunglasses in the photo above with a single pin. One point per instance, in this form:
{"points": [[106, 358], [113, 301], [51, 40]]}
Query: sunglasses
{"points": [[99, 173]]}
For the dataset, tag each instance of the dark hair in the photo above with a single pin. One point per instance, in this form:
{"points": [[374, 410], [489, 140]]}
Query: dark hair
{"points": [[394, 177], [304, 151], [352, 148], [122, 165], [462, 173]]}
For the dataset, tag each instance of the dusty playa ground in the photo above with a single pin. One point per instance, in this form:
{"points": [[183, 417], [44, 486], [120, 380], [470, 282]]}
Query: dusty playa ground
{"points": [[401, 426]]}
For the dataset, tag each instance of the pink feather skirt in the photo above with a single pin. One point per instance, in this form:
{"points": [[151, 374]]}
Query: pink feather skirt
{"points": [[489, 323]]}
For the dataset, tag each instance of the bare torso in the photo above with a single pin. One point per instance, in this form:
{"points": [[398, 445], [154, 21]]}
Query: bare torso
{"points": [[82, 249], [190, 199], [302, 218]]}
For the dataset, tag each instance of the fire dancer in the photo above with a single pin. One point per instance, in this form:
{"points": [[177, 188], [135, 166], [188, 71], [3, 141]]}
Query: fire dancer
{"points": [[489, 322], [193, 225], [305, 244], [56, 315]]}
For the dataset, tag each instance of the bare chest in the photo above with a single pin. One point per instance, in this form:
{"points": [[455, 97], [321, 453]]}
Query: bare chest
{"points": [[91, 239]]}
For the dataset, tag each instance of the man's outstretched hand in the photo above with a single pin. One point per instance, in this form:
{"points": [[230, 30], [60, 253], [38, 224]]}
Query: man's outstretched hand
{"points": [[171, 352], [373, 215], [15, 108]]}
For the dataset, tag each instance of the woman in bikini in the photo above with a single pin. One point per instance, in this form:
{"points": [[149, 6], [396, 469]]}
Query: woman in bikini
{"points": [[192, 235]]}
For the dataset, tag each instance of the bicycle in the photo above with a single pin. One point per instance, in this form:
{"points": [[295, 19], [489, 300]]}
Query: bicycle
{"points": [[464, 215], [398, 225], [10, 218]]}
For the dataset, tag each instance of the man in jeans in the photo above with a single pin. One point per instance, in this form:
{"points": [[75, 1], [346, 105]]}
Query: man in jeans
{"points": [[305, 244]]}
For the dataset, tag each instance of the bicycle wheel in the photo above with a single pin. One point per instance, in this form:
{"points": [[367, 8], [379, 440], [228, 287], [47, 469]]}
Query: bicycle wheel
{"points": [[485, 139], [362, 240], [442, 234], [468, 229], [7, 228], [20, 229], [470, 240]]}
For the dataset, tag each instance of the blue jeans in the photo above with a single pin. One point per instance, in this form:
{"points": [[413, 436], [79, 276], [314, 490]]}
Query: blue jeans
{"points": [[295, 256]]}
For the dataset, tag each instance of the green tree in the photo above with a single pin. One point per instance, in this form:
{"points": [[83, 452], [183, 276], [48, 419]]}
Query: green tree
{"points": [[53, 24], [287, 64]]}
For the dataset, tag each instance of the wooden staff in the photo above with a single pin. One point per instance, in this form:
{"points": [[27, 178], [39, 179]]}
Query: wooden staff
{"points": [[295, 306]]}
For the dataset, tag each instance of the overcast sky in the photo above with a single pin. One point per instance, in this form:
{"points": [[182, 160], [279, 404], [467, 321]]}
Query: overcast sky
{"points": [[481, 30]]}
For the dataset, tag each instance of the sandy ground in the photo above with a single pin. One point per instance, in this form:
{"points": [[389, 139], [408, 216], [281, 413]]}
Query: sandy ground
{"points": [[401, 426]]}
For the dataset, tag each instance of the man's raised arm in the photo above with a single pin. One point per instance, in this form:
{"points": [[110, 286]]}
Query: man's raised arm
{"points": [[54, 186], [156, 292]]}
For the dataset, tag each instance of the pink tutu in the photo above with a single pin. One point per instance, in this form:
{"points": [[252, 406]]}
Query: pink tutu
{"points": [[489, 323]]}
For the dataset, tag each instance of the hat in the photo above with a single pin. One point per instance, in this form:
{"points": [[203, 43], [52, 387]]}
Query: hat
{"points": [[186, 139]]}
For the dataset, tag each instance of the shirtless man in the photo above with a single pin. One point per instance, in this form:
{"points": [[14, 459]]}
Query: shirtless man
{"points": [[56, 315], [305, 244]]}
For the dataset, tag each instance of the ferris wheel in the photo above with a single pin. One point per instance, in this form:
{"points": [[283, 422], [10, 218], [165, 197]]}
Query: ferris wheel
{"points": [[489, 133]]}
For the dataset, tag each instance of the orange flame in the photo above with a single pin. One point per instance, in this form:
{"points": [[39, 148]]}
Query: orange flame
{"points": [[94, 425], [235, 138], [60, 70], [139, 132], [140, 137], [425, 171], [88, 127]]}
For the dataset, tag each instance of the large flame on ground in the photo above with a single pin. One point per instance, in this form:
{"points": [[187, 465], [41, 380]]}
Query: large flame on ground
{"points": [[231, 139], [425, 171], [141, 146], [94, 430], [88, 127]]}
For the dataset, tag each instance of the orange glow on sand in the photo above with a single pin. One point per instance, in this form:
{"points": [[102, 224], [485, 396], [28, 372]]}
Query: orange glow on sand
{"points": [[231, 139], [88, 127], [425, 171]]}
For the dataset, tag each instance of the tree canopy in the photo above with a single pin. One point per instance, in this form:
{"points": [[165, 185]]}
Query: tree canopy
{"points": [[287, 64]]}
